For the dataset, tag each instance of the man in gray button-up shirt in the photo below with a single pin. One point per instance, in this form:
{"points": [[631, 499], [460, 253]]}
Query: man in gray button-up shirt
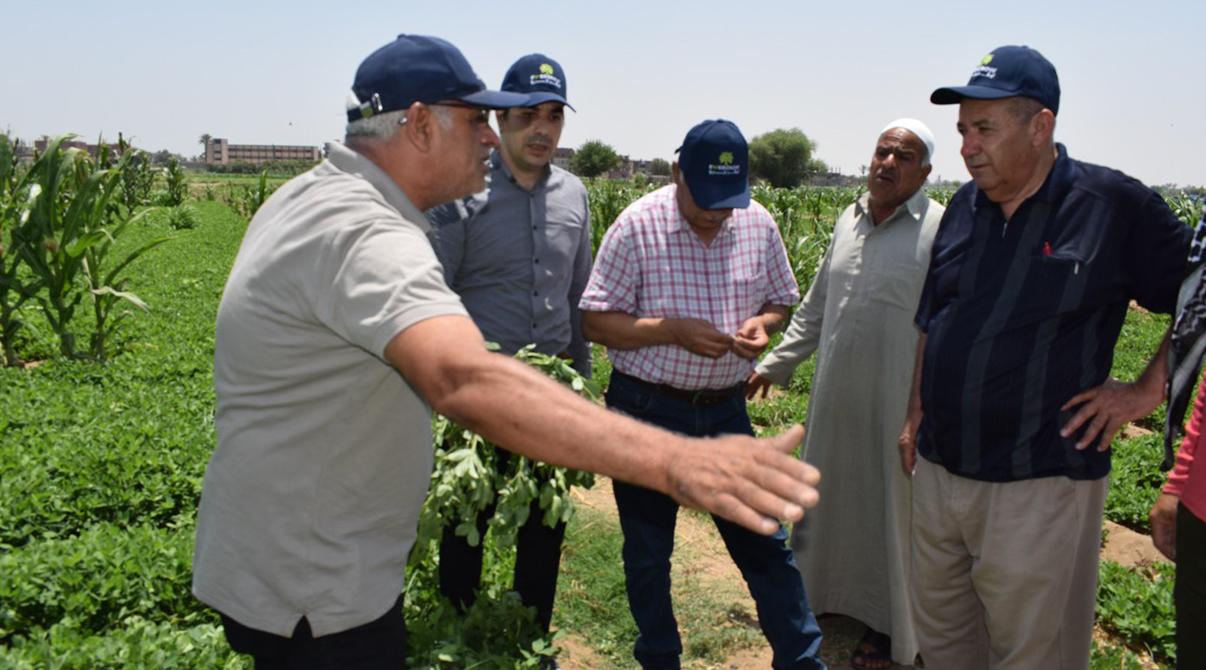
{"points": [[519, 256], [519, 253]]}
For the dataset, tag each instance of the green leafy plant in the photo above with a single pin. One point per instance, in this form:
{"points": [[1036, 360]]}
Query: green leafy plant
{"points": [[182, 217], [104, 576], [1135, 480], [139, 642], [1137, 604], [464, 481]]}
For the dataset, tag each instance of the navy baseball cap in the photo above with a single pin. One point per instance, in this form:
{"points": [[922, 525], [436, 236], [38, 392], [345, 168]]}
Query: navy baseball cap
{"points": [[1007, 72], [417, 68], [715, 162], [539, 77]]}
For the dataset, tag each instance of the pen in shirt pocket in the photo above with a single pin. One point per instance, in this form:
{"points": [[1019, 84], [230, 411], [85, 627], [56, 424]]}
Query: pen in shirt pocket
{"points": [[1047, 252]]}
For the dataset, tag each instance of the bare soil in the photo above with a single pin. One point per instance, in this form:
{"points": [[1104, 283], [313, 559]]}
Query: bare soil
{"points": [[699, 556]]}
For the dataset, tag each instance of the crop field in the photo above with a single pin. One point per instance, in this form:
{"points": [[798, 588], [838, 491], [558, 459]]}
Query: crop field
{"points": [[106, 425]]}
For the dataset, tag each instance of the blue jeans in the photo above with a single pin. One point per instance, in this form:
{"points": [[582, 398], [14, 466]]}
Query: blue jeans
{"points": [[647, 519]]}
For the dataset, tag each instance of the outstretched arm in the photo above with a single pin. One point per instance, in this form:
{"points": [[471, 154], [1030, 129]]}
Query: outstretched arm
{"points": [[753, 482]]}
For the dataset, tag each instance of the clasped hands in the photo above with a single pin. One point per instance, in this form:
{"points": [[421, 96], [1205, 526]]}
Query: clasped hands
{"points": [[700, 337]]}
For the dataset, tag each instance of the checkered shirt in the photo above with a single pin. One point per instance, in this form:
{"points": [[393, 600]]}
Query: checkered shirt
{"points": [[651, 264]]}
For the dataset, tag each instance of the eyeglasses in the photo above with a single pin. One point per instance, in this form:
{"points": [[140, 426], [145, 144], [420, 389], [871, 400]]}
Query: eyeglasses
{"points": [[482, 116]]}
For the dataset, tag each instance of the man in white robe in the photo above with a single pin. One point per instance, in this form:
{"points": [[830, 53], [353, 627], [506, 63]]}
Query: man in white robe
{"points": [[853, 550]]}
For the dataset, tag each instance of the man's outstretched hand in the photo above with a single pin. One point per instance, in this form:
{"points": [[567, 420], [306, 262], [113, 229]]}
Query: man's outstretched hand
{"points": [[750, 481]]}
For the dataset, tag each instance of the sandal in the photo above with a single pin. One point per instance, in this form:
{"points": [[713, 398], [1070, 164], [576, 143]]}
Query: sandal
{"points": [[873, 652]]}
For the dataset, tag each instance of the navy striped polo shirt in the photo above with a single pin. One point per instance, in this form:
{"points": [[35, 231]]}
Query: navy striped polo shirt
{"points": [[1022, 315]]}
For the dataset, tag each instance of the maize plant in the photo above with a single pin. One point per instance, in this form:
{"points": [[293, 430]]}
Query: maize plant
{"points": [[941, 196], [177, 184], [16, 286], [247, 200], [137, 179], [1186, 207], [66, 238], [607, 199], [805, 216], [465, 481]]}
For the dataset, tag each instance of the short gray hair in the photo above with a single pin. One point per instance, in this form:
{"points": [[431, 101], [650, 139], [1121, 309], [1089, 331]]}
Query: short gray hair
{"points": [[376, 127], [1023, 109], [381, 127]]}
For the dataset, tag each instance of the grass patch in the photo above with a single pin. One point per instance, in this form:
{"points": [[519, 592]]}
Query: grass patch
{"points": [[592, 601]]}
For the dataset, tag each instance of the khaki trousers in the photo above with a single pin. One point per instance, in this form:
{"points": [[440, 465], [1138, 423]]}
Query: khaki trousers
{"points": [[1004, 574]]}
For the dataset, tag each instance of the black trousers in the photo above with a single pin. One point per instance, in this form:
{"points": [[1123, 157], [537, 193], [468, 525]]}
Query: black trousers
{"points": [[1189, 594], [537, 560], [377, 645]]}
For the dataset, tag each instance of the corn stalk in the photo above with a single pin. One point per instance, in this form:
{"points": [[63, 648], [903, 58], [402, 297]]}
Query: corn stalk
{"points": [[177, 184], [73, 220], [16, 287], [137, 179]]}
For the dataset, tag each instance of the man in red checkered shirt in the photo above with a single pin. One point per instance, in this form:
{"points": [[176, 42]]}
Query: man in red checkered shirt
{"points": [[687, 286]]}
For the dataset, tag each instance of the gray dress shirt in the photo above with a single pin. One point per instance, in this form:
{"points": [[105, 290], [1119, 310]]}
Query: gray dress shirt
{"points": [[520, 259]]}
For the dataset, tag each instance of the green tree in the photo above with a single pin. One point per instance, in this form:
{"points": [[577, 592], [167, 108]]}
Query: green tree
{"points": [[660, 167], [594, 158], [784, 157]]}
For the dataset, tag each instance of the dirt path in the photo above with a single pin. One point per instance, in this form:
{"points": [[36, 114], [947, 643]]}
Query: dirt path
{"points": [[697, 559]]}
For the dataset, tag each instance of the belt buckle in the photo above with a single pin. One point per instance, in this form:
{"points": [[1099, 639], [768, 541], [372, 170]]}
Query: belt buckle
{"points": [[702, 397]]}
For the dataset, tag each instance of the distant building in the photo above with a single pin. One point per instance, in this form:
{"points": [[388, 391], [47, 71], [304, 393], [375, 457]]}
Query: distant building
{"points": [[219, 151], [42, 142], [563, 157], [623, 170]]}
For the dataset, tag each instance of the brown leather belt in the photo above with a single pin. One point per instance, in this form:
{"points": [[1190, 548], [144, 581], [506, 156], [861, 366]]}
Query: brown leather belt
{"points": [[697, 397]]}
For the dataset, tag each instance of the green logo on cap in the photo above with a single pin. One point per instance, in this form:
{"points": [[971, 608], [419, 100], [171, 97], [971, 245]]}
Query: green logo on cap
{"points": [[986, 60], [726, 158], [545, 68]]}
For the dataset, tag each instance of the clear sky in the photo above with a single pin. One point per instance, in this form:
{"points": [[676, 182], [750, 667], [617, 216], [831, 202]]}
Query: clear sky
{"points": [[639, 73]]}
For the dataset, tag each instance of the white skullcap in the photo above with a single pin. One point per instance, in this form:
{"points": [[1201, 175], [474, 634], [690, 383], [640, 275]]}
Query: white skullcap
{"points": [[919, 129]]}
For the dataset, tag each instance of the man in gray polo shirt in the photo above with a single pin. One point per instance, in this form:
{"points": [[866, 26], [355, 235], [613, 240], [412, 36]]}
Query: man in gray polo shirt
{"points": [[518, 254], [336, 332]]}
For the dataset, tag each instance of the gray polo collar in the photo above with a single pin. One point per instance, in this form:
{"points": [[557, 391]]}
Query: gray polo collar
{"points": [[348, 160]]}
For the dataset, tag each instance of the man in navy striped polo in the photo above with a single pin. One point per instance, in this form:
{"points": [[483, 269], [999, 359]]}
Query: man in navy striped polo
{"points": [[1013, 409]]}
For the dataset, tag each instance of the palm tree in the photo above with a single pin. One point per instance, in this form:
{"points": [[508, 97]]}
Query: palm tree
{"points": [[205, 138]]}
